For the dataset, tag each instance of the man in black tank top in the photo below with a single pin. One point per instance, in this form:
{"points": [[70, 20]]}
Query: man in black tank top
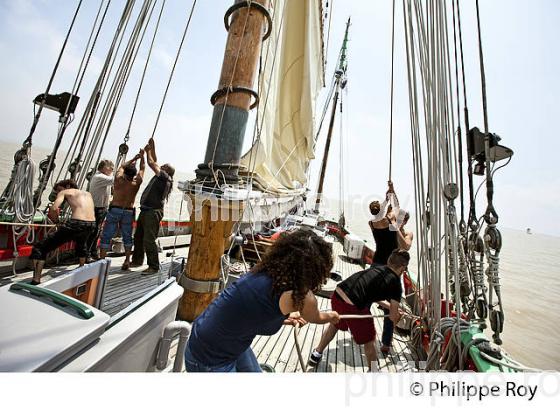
{"points": [[151, 211], [355, 295]]}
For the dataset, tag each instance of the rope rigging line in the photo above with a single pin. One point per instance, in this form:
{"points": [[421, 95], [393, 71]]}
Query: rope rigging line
{"points": [[66, 119], [329, 30], [392, 95], [137, 98], [470, 265], [86, 123], [83, 72], [29, 138], [123, 148], [459, 130], [436, 218], [116, 90], [174, 66], [124, 70], [341, 161], [258, 128]]}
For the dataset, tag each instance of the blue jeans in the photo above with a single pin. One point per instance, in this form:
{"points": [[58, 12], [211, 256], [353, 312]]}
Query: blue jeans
{"points": [[118, 218], [245, 363], [388, 327]]}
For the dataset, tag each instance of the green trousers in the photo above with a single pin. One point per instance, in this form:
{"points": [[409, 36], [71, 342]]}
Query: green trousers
{"points": [[147, 228]]}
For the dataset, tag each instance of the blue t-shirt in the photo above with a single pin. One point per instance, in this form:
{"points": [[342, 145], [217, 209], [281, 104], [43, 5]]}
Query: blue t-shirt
{"points": [[230, 323]]}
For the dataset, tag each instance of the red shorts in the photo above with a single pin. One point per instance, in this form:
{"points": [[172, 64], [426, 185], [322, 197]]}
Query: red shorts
{"points": [[362, 330]]}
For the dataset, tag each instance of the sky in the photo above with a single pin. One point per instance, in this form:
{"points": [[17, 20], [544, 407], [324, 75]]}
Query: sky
{"points": [[522, 65]]}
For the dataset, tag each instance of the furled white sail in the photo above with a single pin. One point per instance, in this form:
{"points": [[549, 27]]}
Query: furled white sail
{"points": [[290, 82]]}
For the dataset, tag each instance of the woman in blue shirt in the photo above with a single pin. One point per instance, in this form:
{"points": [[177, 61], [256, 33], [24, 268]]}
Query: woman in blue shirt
{"points": [[278, 291]]}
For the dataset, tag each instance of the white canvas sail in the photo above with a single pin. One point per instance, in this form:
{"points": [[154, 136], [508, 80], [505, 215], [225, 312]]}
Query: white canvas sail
{"points": [[290, 82]]}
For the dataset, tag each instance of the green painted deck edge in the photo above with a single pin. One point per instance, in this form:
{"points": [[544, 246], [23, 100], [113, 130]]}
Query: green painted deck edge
{"points": [[481, 364]]}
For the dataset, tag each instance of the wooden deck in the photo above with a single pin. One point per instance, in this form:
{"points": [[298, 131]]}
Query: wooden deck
{"points": [[123, 288], [342, 354], [279, 351]]}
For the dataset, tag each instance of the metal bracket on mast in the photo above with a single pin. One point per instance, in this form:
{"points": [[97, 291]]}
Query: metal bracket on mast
{"points": [[256, 6], [201, 286], [235, 89]]}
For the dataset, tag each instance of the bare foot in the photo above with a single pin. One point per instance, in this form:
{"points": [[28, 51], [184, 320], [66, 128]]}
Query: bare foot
{"points": [[125, 266]]}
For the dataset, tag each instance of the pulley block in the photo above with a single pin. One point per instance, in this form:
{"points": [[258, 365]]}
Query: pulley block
{"points": [[493, 238], [481, 308]]}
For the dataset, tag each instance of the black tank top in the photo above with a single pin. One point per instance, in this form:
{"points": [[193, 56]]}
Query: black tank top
{"points": [[385, 243]]}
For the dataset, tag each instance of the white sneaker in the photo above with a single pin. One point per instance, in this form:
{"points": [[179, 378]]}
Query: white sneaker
{"points": [[315, 358]]}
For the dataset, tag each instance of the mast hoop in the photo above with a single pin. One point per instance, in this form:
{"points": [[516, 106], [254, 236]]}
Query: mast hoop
{"points": [[222, 92], [250, 4]]}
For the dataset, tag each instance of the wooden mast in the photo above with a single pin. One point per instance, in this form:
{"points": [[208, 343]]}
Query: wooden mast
{"points": [[212, 216], [339, 83]]}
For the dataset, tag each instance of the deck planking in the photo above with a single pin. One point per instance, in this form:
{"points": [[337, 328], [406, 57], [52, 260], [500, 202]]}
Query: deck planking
{"points": [[342, 355]]}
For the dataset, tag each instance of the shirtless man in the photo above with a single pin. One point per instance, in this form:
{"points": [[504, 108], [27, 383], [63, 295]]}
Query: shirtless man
{"points": [[77, 229], [121, 210]]}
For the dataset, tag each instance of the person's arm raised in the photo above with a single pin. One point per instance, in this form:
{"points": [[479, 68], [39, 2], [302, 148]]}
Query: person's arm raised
{"points": [[151, 157], [142, 165]]}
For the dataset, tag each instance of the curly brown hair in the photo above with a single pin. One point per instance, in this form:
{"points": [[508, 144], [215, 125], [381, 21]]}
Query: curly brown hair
{"points": [[300, 261]]}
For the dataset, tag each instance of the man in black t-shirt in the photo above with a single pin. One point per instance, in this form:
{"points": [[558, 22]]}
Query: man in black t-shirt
{"points": [[151, 212], [355, 295]]}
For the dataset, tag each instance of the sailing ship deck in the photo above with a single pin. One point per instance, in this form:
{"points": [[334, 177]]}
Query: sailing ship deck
{"points": [[342, 354], [278, 351]]}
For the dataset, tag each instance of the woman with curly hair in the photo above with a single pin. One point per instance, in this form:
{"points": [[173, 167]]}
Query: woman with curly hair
{"points": [[278, 291]]}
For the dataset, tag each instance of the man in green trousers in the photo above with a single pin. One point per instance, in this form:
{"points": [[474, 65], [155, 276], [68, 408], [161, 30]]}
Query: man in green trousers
{"points": [[151, 212]]}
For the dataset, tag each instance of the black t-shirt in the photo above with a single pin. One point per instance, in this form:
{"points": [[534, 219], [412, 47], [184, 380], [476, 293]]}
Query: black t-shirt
{"points": [[372, 285], [156, 192]]}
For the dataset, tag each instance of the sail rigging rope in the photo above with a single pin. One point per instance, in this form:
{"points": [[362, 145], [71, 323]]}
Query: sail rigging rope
{"points": [[82, 133], [328, 32], [29, 138], [89, 54], [65, 119], [179, 49], [137, 98], [392, 95], [437, 150], [116, 91]]}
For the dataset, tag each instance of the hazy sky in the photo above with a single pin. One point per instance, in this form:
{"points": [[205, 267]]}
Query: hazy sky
{"points": [[522, 63]]}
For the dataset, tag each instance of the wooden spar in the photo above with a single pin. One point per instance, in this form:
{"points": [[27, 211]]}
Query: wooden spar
{"points": [[339, 83], [235, 97], [327, 148], [213, 217]]}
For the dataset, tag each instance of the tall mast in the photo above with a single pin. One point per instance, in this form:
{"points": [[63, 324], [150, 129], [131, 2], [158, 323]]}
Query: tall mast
{"points": [[340, 82], [212, 217]]}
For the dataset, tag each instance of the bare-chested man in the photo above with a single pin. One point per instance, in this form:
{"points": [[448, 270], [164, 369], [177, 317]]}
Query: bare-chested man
{"points": [[121, 209], [77, 229]]}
